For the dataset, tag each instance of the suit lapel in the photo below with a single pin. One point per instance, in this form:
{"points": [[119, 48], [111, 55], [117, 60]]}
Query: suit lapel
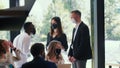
{"points": [[79, 28]]}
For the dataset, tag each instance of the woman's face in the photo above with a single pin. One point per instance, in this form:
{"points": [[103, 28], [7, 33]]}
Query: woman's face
{"points": [[53, 22], [59, 46], [54, 25], [6, 44]]}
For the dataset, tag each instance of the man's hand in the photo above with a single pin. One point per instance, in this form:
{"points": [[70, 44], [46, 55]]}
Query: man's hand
{"points": [[72, 59], [11, 45]]}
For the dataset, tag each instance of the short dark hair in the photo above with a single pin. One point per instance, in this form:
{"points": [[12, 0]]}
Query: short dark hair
{"points": [[37, 49], [76, 12], [26, 25]]}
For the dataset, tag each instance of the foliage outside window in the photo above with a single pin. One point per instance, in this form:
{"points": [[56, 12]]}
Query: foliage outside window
{"points": [[112, 32], [43, 11]]}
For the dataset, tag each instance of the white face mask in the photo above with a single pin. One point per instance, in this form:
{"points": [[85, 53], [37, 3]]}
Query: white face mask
{"points": [[31, 35], [73, 20]]}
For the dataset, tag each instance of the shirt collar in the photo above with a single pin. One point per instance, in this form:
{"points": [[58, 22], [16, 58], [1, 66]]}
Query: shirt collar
{"points": [[76, 26], [25, 33]]}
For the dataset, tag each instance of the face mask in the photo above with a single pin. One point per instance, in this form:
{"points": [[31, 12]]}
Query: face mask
{"points": [[73, 20], [31, 35], [54, 26], [57, 51], [33, 32]]}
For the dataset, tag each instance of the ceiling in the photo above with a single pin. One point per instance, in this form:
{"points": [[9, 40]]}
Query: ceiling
{"points": [[13, 18]]}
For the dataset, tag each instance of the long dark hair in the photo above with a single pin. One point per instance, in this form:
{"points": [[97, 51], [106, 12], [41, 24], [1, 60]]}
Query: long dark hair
{"points": [[58, 21]]}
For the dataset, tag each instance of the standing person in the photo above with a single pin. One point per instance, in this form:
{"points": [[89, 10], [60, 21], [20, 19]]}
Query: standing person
{"points": [[80, 49], [22, 42], [56, 33], [38, 52]]}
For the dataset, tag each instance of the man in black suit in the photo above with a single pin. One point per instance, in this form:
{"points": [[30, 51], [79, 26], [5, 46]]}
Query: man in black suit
{"points": [[37, 50], [80, 49]]}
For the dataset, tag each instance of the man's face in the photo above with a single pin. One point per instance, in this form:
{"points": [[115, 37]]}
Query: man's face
{"points": [[32, 29], [73, 16]]}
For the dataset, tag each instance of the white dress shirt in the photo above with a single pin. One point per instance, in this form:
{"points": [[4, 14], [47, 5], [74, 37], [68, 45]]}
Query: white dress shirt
{"points": [[22, 42], [76, 29]]}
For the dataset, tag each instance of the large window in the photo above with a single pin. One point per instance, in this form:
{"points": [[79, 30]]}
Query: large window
{"points": [[4, 4], [4, 34], [112, 33], [22, 2], [44, 10]]}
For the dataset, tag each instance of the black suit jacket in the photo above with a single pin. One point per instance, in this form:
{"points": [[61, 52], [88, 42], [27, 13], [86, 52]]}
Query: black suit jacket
{"points": [[81, 44], [39, 62]]}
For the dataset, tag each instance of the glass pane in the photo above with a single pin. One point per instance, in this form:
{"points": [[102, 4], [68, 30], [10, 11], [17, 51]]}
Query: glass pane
{"points": [[4, 4], [4, 34], [44, 10], [22, 2], [112, 33]]}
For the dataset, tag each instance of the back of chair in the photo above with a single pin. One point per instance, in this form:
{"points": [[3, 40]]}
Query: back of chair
{"points": [[64, 65]]}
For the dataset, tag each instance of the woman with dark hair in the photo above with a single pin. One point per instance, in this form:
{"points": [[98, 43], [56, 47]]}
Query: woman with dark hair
{"points": [[56, 33]]}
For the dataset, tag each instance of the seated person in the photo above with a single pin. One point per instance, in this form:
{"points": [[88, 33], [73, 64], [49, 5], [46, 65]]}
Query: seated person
{"points": [[2, 56], [37, 50], [7, 58], [54, 52]]}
